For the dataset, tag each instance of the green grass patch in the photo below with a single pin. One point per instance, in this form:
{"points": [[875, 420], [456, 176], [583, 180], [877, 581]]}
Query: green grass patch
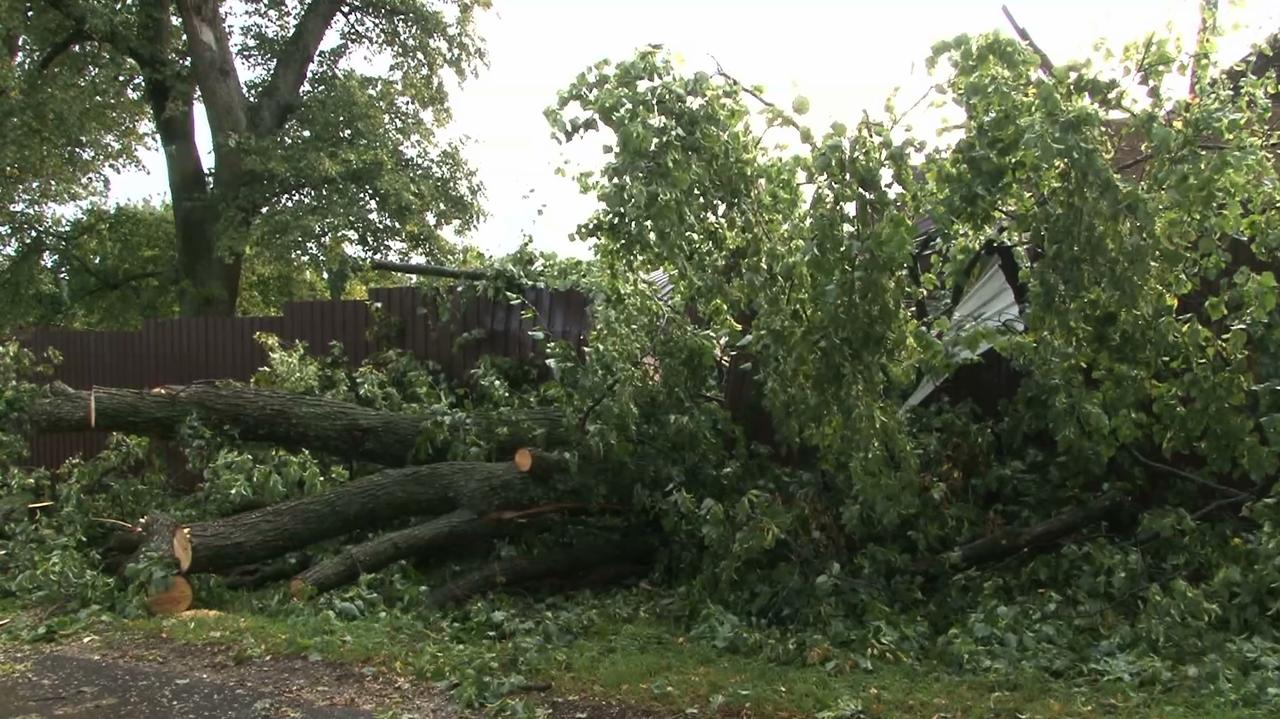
{"points": [[602, 648]]}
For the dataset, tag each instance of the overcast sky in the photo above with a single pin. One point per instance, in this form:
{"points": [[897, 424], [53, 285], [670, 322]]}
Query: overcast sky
{"points": [[844, 55]]}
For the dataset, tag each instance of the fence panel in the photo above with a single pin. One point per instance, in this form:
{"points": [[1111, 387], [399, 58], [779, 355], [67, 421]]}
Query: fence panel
{"points": [[179, 351]]}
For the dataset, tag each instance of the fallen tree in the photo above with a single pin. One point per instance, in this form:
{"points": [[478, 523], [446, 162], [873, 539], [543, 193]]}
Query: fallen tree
{"points": [[319, 424], [461, 504], [262, 534]]}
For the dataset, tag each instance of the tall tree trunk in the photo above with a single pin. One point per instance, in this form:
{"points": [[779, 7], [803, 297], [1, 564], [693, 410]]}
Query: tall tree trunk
{"points": [[210, 269], [208, 281]]}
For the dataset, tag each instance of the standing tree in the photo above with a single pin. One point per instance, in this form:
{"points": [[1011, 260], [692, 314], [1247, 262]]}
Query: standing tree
{"points": [[324, 117]]}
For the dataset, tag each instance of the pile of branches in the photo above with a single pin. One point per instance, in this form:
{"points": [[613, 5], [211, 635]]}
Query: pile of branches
{"points": [[452, 505]]}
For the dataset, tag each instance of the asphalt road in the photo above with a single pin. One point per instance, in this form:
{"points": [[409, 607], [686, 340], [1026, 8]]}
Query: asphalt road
{"points": [[66, 686]]}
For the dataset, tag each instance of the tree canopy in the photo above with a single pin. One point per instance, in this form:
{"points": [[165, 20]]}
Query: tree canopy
{"points": [[325, 119]]}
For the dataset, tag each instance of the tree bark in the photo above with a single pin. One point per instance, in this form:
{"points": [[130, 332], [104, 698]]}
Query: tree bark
{"points": [[261, 573], [209, 257], [461, 527], [411, 268], [1014, 540], [208, 216], [162, 536], [323, 425], [569, 564], [223, 544]]}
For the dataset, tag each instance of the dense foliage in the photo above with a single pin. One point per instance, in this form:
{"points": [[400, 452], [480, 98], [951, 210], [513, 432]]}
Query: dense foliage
{"points": [[1147, 362], [817, 520], [315, 153]]}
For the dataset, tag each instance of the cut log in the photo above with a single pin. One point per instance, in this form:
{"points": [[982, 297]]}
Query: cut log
{"points": [[223, 544], [182, 549], [568, 565], [288, 420], [251, 576], [540, 464], [461, 527], [162, 536], [175, 598]]}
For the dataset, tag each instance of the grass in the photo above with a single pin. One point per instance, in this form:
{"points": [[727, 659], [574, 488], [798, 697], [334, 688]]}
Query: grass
{"points": [[597, 648]]}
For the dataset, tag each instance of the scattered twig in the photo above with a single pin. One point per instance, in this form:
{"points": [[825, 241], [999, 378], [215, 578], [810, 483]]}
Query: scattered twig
{"points": [[782, 114], [530, 687], [898, 120], [1189, 476], [1046, 65], [514, 515], [1210, 146], [586, 414], [742, 86], [116, 522], [1221, 503]]}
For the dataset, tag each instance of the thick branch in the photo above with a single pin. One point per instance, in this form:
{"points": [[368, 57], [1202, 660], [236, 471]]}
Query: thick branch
{"points": [[323, 425], [280, 96], [1014, 540], [215, 68], [1046, 65], [450, 531], [73, 38], [567, 564], [409, 268], [274, 570]]}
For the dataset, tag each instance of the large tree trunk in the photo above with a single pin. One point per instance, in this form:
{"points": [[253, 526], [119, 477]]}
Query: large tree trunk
{"points": [[224, 544], [257, 415]]}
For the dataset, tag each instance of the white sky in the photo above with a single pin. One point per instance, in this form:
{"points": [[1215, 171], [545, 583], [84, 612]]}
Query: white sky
{"points": [[844, 55]]}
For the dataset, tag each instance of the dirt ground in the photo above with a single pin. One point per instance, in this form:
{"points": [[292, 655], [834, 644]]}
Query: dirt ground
{"points": [[159, 679]]}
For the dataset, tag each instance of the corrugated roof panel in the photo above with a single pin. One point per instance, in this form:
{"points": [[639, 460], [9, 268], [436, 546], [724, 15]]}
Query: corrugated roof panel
{"points": [[989, 302]]}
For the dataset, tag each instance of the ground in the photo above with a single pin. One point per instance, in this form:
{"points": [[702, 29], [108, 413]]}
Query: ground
{"points": [[615, 661], [158, 678]]}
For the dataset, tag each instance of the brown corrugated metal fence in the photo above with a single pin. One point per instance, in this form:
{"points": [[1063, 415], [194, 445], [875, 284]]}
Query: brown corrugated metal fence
{"points": [[187, 350]]}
